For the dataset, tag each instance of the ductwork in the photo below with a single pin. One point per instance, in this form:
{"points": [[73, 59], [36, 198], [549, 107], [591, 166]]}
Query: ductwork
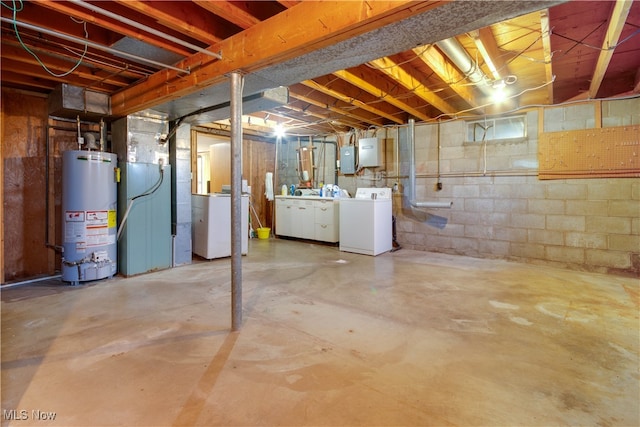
{"points": [[72, 101], [461, 59]]}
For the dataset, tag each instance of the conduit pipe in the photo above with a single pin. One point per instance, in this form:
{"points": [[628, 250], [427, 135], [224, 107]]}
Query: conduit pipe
{"points": [[145, 28], [456, 53], [90, 44], [412, 173], [26, 282]]}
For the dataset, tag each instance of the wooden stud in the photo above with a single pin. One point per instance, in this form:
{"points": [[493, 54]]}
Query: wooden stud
{"points": [[612, 36], [269, 42]]}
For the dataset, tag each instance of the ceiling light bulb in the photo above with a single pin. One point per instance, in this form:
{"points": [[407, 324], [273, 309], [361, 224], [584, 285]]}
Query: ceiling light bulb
{"points": [[499, 95], [279, 130]]}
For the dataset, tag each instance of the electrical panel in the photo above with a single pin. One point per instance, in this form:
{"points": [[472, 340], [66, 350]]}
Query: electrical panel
{"points": [[347, 159], [369, 153]]}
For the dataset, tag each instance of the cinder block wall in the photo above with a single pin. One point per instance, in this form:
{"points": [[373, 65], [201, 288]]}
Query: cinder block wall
{"points": [[502, 210]]}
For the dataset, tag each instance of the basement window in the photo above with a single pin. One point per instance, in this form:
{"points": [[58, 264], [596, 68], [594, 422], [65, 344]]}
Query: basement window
{"points": [[500, 128]]}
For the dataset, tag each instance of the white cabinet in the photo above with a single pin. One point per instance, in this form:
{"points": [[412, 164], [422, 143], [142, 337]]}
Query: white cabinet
{"points": [[284, 209], [303, 219], [326, 220], [307, 218], [211, 225]]}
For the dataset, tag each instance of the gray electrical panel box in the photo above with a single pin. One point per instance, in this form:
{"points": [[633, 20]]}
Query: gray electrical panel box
{"points": [[369, 152], [347, 159]]}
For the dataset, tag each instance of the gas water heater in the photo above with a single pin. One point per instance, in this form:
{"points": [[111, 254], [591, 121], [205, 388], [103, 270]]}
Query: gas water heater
{"points": [[89, 223]]}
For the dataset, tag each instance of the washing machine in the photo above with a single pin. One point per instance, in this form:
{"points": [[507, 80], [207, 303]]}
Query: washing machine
{"points": [[366, 222]]}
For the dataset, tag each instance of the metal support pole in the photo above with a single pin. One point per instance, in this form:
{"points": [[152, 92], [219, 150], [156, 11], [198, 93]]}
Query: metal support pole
{"points": [[236, 200], [411, 134]]}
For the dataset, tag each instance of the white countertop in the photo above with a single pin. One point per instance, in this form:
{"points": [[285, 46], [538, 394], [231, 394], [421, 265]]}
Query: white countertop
{"points": [[330, 199]]}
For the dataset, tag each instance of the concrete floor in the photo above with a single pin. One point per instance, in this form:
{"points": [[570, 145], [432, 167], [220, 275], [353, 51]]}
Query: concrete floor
{"points": [[329, 339]]}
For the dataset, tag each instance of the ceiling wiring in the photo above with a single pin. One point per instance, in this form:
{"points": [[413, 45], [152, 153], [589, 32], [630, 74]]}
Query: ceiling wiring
{"points": [[598, 48], [432, 84], [489, 104], [15, 9]]}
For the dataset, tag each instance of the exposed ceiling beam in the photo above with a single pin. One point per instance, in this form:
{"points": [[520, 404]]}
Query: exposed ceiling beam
{"points": [[170, 21], [337, 110], [293, 122], [19, 78], [350, 100], [393, 70], [66, 9], [269, 42], [61, 65], [616, 24], [379, 93], [101, 64], [34, 70], [486, 44], [447, 72], [229, 11], [343, 118], [289, 3], [545, 32], [322, 117]]}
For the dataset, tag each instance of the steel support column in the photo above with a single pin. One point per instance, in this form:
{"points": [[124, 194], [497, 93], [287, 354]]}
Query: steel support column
{"points": [[236, 200]]}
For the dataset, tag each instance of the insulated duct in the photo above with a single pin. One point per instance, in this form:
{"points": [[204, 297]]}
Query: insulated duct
{"points": [[456, 53]]}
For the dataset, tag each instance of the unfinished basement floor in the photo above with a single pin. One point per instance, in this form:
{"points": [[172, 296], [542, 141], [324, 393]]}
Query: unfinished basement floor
{"points": [[329, 338]]}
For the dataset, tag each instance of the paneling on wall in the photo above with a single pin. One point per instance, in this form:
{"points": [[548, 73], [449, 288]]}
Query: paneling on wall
{"points": [[258, 159], [590, 153], [24, 120]]}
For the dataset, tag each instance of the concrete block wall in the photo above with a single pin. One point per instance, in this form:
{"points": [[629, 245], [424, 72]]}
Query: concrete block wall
{"points": [[502, 210]]}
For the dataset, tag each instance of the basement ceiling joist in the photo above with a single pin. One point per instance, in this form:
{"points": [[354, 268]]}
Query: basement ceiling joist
{"points": [[348, 64]]}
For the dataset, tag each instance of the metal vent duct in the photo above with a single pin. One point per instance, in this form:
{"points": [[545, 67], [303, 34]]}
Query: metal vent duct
{"points": [[456, 53], [262, 101], [72, 101]]}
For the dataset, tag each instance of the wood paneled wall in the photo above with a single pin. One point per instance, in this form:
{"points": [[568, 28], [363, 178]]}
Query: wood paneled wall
{"points": [[24, 124], [258, 158]]}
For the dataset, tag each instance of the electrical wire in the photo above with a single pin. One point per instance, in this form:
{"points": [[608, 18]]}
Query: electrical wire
{"points": [[491, 103], [15, 11], [529, 106], [149, 192], [581, 43]]}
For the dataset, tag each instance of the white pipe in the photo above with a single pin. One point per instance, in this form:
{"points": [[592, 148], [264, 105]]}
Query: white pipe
{"points": [[412, 159], [432, 204], [26, 282], [145, 28], [90, 44], [412, 173]]}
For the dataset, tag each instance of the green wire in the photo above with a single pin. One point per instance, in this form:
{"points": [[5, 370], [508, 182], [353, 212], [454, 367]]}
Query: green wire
{"points": [[15, 11]]}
